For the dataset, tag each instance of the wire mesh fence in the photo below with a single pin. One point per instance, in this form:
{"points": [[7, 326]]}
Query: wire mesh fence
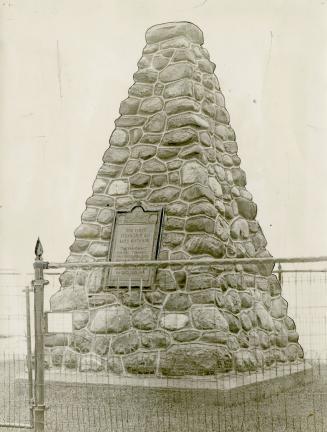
{"points": [[97, 401]]}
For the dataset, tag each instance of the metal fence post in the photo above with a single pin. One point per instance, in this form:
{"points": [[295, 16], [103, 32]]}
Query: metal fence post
{"points": [[29, 353], [280, 274], [38, 283]]}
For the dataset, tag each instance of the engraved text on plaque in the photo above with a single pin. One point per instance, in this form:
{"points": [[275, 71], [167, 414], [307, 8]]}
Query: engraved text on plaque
{"points": [[135, 238]]}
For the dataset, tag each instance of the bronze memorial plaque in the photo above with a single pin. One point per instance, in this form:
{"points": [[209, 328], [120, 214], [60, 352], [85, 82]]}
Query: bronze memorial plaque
{"points": [[135, 238]]}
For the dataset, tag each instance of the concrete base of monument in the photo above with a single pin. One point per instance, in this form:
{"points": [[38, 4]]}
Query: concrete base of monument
{"points": [[231, 388]]}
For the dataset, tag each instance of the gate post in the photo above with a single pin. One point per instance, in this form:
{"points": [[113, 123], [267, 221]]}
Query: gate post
{"points": [[38, 284], [29, 353]]}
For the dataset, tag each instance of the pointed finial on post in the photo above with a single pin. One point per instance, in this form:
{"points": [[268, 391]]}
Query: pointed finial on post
{"points": [[38, 250]]}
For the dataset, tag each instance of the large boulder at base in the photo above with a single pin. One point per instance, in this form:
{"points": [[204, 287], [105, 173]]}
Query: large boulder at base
{"points": [[197, 359]]}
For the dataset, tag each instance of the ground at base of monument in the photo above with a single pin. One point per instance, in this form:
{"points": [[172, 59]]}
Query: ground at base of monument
{"points": [[98, 407], [230, 386]]}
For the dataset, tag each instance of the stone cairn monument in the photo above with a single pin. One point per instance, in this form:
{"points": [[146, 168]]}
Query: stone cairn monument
{"points": [[171, 188]]}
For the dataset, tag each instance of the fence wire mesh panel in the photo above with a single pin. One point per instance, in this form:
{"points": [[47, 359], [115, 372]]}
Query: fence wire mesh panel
{"points": [[282, 397], [15, 400]]}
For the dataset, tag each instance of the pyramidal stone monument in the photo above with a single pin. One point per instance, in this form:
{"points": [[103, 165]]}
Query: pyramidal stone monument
{"points": [[171, 188]]}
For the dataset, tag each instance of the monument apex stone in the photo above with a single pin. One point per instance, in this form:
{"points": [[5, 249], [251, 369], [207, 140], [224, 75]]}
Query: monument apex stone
{"points": [[161, 32]]}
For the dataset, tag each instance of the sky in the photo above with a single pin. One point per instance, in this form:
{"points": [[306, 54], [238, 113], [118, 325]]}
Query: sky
{"points": [[67, 65]]}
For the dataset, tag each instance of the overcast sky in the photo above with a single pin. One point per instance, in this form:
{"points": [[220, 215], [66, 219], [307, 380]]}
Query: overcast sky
{"points": [[67, 64]]}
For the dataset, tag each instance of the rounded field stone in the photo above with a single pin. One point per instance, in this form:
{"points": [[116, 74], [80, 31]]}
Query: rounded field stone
{"points": [[151, 105], [233, 302], [167, 153], [143, 151], [183, 55], [177, 208], [214, 337], [265, 321], [129, 106], [87, 231], [125, 343], [135, 135], [174, 223], [180, 105], [156, 123], [194, 359], [159, 62], [147, 76], [116, 155], [145, 318], [193, 172], [80, 319], [199, 282], [100, 201], [179, 137], [118, 187], [101, 345], [274, 286], [133, 298], [99, 186], [245, 361], [154, 166], [176, 72], [204, 297], [91, 363], [177, 301], [202, 208], [225, 133], [196, 192], [174, 321], [187, 119], [139, 180], [81, 341], [246, 300], [200, 223], [114, 365], [119, 138], [69, 299], [112, 319], [278, 307], [179, 88], [155, 297], [106, 216], [239, 229], [141, 363], [245, 321], [131, 167], [233, 322], [71, 359], [208, 317], [140, 90], [198, 245], [99, 249], [186, 335], [246, 208], [165, 194], [161, 32], [156, 339]]}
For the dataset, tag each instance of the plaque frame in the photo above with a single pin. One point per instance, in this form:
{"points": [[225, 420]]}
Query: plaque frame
{"points": [[157, 237]]}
